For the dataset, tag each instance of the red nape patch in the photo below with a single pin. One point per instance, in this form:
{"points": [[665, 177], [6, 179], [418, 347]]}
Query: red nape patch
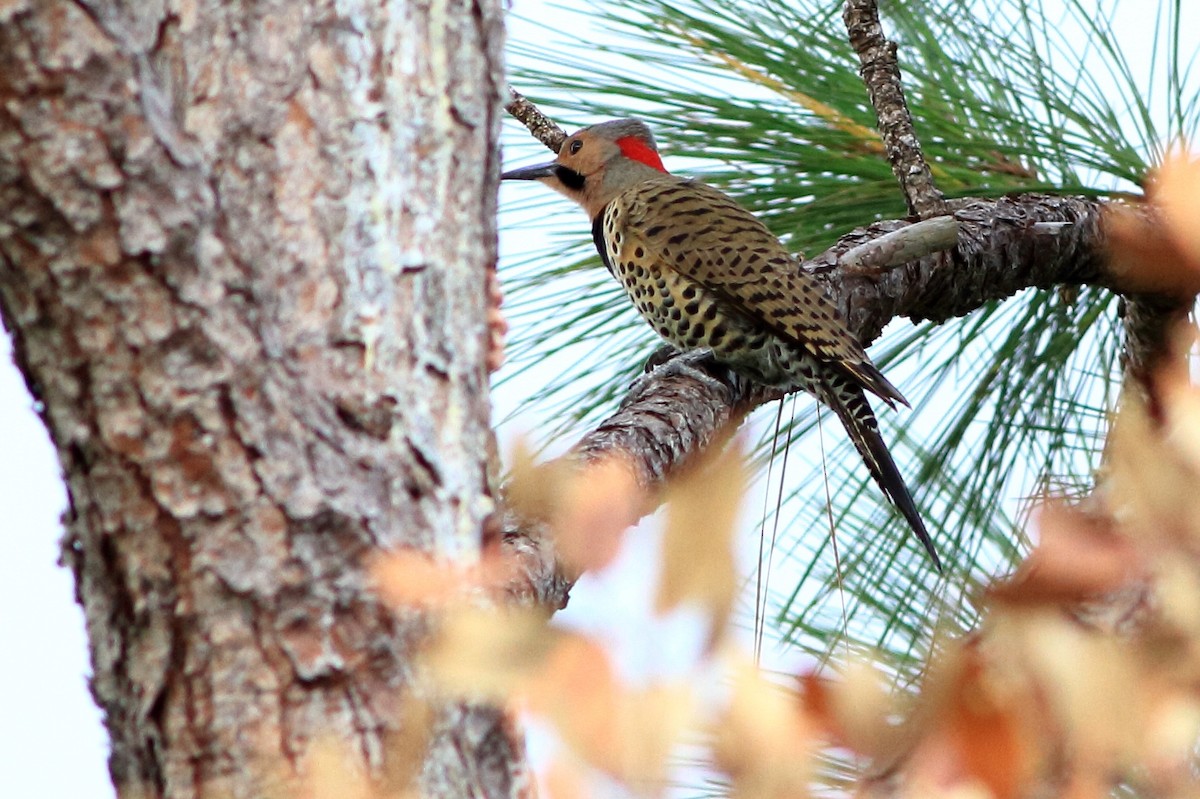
{"points": [[638, 150]]}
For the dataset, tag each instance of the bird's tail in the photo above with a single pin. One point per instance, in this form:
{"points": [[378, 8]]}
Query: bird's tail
{"points": [[849, 402]]}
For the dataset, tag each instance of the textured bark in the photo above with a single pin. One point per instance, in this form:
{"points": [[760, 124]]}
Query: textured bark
{"points": [[1150, 322], [541, 127], [880, 71], [243, 257]]}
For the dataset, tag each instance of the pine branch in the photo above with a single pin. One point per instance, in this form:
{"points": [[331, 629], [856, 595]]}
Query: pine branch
{"points": [[542, 127], [880, 72]]}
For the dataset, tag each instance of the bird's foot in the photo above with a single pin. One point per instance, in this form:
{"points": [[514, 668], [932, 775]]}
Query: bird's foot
{"points": [[661, 355], [698, 365]]}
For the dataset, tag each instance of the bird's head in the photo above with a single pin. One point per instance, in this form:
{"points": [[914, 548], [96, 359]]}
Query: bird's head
{"points": [[597, 163]]}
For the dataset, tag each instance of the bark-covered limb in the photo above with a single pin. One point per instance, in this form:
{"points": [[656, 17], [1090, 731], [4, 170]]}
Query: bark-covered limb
{"points": [[543, 128], [1006, 245], [671, 414], [1150, 322], [880, 71]]}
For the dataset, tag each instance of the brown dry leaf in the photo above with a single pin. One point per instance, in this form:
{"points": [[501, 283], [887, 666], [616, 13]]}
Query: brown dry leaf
{"points": [[1176, 191], [1168, 747], [405, 745], [588, 506], [763, 741], [627, 733], [977, 732], [566, 779], [1157, 250], [1086, 784], [488, 654], [409, 578], [1178, 594], [599, 502], [1181, 407], [1091, 684], [816, 698], [1144, 257], [333, 771], [651, 723], [1078, 557], [534, 490], [853, 711], [576, 678], [862, 704], [698, 560], [1153, 497]]}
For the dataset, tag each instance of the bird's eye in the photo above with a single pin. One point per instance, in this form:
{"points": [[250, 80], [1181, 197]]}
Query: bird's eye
{"points": [[575, 147]]}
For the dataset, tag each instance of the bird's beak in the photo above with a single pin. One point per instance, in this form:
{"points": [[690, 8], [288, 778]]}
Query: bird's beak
{"points": [[536, 172]]}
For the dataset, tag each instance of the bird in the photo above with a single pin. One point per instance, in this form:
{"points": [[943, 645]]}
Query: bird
{"points": [[707, 274]]}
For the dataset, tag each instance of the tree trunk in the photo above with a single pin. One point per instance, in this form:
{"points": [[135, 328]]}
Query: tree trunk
{"points": [[243, 257]]}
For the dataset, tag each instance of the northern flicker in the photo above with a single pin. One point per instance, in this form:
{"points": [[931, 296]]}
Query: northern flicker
{"points": [[708, 275]]}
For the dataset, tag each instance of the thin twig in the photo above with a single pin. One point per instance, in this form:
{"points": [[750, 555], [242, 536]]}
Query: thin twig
{"points": [[541, 126], [880, 71]]}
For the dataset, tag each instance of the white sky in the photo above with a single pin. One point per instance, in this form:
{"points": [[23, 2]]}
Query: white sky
{"points": [[51, 741]]}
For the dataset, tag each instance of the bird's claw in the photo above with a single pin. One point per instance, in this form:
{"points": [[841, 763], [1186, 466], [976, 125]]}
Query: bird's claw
{"points": [[698, 365], [662, 354]]}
